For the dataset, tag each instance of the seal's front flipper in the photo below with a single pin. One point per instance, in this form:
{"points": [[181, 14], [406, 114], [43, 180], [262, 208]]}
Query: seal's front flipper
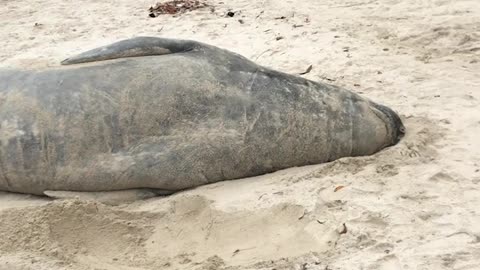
{"points": [[134, 47], [108, 197]]}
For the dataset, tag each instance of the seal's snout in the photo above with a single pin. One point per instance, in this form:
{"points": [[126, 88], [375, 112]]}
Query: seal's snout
{"points": [[392, 120]]}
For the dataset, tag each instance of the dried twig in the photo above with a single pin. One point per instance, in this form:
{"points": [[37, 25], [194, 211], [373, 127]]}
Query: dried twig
{"points": [[354, 4], [175, 7], [306, 71], [260, 14], [238, 250], [261, 54], [344, 229], [303, 215]]}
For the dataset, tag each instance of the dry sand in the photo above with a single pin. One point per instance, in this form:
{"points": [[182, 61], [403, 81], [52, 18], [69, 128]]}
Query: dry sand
{"points": [[413, 206]]}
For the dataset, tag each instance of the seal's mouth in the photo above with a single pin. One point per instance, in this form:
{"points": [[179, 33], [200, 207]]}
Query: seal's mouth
{"points": [[392, 121]]}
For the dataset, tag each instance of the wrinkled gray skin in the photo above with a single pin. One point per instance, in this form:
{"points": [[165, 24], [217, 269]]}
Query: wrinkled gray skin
{"points": [[166, 115]]}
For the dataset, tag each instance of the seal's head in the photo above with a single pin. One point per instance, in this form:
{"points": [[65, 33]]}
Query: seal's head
{"points": [[393, 123], [374, 127]]}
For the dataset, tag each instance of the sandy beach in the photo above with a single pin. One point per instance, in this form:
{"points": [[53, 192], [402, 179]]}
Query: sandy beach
{"points": [[414, 206]]}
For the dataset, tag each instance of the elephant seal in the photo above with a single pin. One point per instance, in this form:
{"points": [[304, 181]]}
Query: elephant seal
{"points": [[162, 115]]}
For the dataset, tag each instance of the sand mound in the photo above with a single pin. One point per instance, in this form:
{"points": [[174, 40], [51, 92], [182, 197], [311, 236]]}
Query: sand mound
{"points": [[66, 230], [241, 237], [189, 232]]}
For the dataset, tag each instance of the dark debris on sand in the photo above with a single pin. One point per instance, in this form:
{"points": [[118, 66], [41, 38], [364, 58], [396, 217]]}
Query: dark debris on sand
{"points": [[175, 7]]}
